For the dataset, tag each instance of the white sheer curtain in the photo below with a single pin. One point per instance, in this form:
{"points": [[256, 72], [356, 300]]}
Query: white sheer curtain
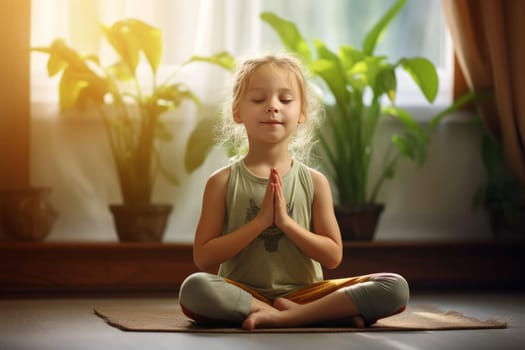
{"points": [[71, 154], [188, 27]]}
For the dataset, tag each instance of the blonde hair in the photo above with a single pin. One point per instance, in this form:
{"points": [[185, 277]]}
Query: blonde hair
{"points": [[233, 134]]}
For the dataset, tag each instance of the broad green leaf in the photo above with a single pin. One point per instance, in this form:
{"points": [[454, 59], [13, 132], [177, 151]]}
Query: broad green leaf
{"points": [[374, 35], [120, 71], [92, 93], [62, 56], [200, 143], [222, 59], [129, 37], [79, 84], [59, 47], [424, 74], [411, 146], [364, 72], [407, 120], [402, 144], [149, 39], [350, 56], [70, 87], [42, 49], [124, 43], [386, 83], [174, 94], [92, 58], [289, 35], [330, 69], [55, 65]]}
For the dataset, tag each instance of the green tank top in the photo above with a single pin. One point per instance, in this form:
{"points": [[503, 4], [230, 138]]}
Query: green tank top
{"points": [[271, 264]]}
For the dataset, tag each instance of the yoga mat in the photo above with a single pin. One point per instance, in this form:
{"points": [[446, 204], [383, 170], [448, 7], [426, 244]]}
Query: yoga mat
{"points": [[171, 319]]}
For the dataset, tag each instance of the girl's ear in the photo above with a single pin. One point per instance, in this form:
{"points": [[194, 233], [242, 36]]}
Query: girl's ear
{"points": [[236, 116], [302, 119]]}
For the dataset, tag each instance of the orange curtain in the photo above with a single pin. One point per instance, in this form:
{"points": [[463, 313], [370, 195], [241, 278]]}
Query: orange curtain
{"points": [[490, 48], [15, 128]]}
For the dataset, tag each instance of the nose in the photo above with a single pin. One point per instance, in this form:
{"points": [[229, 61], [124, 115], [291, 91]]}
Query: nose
{"points": [[272, 109]]}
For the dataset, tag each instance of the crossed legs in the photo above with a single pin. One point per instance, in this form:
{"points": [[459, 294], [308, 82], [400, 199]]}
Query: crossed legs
{"points": [[356, 301], [336, 306]]}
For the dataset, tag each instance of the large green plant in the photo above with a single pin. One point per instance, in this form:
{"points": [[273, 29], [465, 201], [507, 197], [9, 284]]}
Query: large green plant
{"points": [[350, 74], [132, 109], [502, 195]]}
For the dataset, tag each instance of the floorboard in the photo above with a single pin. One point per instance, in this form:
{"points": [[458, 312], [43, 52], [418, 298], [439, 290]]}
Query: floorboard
{"points": [[55, 323]]}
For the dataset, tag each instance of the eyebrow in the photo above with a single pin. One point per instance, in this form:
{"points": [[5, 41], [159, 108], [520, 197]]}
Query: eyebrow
{"points": [[287, 90]]}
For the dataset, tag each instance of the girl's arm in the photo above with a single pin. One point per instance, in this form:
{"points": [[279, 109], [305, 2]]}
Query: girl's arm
{"points": [[210, 248], [324, 245]]}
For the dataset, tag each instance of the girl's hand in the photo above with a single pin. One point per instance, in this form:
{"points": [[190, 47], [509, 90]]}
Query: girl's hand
{"points": [[266, 213], [281, 217]]}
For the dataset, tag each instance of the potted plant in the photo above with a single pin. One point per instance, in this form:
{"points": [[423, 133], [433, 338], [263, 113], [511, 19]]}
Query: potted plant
{"points": [[132, 112], [26, 213], [348, 134], [501, 195]]}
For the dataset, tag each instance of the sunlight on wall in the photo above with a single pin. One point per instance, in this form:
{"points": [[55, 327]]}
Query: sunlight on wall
{"points": [[72, 156], [429, 203]]}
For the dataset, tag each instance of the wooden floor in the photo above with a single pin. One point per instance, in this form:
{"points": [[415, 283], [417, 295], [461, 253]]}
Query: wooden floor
{"points": [[54, 323]]}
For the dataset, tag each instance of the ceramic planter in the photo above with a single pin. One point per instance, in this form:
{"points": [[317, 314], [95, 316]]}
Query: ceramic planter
{"points": [[358, 222], [27, 214], [140, 223]]}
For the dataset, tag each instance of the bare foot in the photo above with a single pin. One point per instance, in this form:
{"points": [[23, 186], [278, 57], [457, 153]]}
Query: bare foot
{"points": [[284, 304], [262, 318], [268, 318], [357, 321]]}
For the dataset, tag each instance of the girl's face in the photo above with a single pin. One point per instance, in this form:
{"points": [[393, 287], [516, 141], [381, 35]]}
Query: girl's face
{"points": [[270, 107]]}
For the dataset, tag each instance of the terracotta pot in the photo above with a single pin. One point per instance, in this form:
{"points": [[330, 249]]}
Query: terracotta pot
{"points": [[141, 223], [358, 223], [27, 213]]}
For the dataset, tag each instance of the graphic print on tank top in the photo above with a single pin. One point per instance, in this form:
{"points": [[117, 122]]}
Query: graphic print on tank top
{"points": [[272, 234]]}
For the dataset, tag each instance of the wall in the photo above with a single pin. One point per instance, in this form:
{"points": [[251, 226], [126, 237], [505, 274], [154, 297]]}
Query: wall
{"points": [[435, 201], [428, 203], [72, 156]]}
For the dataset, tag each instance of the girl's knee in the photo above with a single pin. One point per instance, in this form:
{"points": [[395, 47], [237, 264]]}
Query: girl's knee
{"points": [[194, 289], [205, 296], [389, 293], [399, 289]]}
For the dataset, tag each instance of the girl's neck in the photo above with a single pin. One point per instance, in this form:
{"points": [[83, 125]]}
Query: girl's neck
{"points": [[260, 162]]}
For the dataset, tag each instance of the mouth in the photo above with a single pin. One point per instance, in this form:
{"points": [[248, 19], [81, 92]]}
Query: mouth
{"points": [[272, 122]]}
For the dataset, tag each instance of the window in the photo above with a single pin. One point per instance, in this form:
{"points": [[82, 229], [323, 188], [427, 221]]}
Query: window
{"points": [[83, 183], [418, 30], [207, 26]]}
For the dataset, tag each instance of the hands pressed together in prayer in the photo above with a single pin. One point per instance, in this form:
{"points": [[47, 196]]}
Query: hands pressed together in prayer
{"points": [[273, 209]]}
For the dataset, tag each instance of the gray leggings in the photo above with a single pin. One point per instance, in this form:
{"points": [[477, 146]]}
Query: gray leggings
{"points": [[209, 298]]}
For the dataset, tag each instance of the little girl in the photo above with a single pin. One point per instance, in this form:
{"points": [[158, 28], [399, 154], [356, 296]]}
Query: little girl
{"points": [[268, 223]]}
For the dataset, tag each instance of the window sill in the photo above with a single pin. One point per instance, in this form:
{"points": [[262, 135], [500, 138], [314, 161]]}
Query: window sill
{"points": [[37, 268]]}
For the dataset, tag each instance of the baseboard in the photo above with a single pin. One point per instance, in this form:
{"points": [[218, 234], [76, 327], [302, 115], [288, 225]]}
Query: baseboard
{"points": [[440, 265], [130, 267]]}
